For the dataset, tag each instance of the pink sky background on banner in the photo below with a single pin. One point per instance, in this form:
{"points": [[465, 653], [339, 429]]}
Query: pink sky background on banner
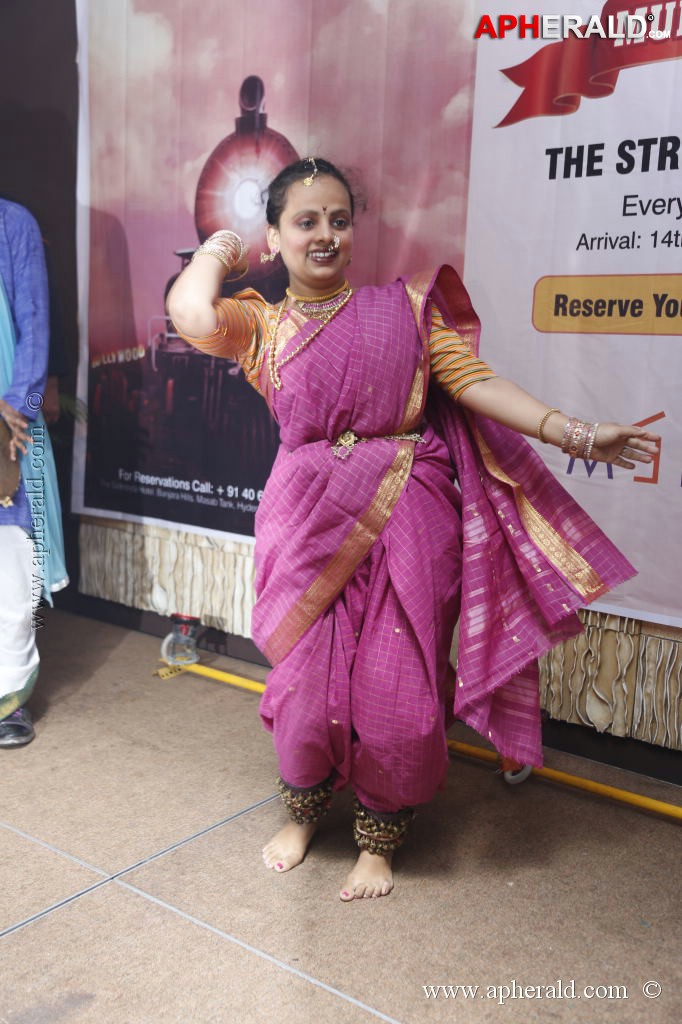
{"points": [[383, 87]]}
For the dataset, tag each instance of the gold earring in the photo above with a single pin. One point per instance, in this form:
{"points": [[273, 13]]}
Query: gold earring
{"points": [[268, 257]]}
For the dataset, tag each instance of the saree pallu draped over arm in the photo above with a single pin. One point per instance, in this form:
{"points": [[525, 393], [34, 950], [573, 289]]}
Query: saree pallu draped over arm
{"points": [[531, 555]]}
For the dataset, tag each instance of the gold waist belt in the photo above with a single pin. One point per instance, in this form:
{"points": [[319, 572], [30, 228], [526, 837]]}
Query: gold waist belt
{"points": [[348, 440]]}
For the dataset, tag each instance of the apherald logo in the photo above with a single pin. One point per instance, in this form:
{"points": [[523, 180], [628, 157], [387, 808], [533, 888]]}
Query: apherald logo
{"points": [[588, 57], [624, 26]]}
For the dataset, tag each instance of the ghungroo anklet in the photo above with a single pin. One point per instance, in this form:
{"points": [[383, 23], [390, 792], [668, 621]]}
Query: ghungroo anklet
{"points": [[380, 835], [306, 806]]}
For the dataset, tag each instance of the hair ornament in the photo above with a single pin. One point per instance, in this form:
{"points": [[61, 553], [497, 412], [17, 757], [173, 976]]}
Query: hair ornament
{"points": [[311, 177]]}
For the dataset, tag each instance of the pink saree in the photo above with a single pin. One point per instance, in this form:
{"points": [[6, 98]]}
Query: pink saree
{"points": [[362, 562]]}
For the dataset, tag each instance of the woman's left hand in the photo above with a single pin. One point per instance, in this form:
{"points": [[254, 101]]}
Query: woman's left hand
{"points": [[624, 446]]}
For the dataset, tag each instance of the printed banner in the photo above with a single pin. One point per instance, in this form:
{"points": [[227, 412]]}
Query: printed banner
{"points": [[188, 111], [574, 251]]}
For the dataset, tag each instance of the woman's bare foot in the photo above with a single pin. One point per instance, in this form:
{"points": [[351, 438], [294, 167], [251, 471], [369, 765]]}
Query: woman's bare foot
{"points": [[371, 877], [288, 847]]}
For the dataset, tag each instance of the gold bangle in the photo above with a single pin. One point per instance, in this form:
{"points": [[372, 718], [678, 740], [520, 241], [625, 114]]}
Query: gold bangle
{"points": [[207, 250], [223, 245], [541, 428], [228, 239]]}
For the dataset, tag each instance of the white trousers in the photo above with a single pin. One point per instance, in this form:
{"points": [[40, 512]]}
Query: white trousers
{"points": [[19, 599]]}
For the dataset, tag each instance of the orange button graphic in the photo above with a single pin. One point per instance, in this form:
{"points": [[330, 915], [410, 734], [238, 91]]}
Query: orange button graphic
{"points": [[609, 304]]}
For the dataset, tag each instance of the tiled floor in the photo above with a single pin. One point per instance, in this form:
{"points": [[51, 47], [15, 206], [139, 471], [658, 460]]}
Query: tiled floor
{"points": [[134, 892]]}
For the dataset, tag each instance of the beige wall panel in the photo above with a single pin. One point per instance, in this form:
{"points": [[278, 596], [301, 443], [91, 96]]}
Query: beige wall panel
{"points": [[620, 676], [164, 571]]}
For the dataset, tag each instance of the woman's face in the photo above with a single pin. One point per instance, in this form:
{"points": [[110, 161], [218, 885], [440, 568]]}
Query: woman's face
{"points": [[312, 216]]}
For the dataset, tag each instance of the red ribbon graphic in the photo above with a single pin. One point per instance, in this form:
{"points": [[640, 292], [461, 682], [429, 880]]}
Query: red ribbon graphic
{"points": [[558, 76]]}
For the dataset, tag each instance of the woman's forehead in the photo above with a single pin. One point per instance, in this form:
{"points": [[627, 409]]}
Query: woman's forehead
{"points": [[325, 191]]}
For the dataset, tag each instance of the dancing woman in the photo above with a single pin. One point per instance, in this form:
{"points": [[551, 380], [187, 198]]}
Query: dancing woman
{"points": [[402, 497]]}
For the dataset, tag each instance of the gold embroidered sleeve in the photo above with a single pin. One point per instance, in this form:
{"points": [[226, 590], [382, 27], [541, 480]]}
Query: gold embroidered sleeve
{"points": [[241, 333], [453, 364]]}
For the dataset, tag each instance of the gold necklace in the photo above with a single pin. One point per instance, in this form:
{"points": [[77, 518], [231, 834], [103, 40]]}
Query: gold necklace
{"points": [[273, 366], [320, 308], [317, 298]]}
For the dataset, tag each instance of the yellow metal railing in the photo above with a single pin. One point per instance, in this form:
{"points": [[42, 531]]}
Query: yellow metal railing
{"points": [[465, 749]]}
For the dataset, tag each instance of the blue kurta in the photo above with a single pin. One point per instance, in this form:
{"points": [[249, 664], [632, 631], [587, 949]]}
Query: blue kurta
{"points": [[24, 344], [22, 268]]}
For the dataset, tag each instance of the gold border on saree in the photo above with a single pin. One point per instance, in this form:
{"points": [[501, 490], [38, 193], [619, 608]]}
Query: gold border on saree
{"points": [[345, 560], [569, 562]]}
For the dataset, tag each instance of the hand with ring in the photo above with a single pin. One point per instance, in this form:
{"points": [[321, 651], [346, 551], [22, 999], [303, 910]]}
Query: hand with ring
{"points": [[624, 446], [17, 425]]}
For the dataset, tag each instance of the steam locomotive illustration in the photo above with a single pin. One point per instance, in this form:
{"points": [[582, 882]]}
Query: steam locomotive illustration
{"points": [[185, 415]]}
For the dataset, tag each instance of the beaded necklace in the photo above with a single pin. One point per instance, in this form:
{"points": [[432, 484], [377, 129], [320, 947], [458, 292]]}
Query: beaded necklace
{"points": [[273, 366]]}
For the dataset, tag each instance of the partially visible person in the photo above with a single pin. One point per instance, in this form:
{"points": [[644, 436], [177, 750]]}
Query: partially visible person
{"points": [[31, 543], [58, 362]]}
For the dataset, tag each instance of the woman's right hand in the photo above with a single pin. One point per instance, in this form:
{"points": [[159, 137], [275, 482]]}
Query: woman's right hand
{"points": [[240, 269], [18, 425]]}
